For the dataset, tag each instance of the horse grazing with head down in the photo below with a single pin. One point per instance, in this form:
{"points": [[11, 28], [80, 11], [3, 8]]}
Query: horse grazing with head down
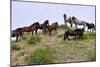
{"points": [[52, 27], [31, 28], [43, 26], [76, 33], [16, 33]]}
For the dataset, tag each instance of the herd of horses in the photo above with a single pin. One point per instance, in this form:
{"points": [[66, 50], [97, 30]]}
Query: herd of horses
{"points": [[46, 27]]}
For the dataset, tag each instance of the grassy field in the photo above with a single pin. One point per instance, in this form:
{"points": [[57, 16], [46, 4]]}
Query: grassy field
{"points": [[42, 49]]}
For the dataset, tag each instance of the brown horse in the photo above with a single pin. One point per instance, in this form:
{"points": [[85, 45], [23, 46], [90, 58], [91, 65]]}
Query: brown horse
{"points": [[31, 28], [52, 27], [44, 26]]}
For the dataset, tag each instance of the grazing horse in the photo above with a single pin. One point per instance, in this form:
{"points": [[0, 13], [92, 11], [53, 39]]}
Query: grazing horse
{"points": [[90, 26], [52, 27], [76, 33], [78, 22], [44, 26], [67, 20], [16, 33], [31, 28]]}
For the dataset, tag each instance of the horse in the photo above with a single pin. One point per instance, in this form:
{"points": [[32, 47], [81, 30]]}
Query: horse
{"points": [[76, 33], [16, 33], [78, 22], [31, 28], [68, 20], [90, 26], [52, 27], [43, 26]]}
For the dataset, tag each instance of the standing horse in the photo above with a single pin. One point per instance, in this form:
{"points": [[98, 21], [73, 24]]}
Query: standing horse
{"points": [[43, 26], [90, 26], [67, 20], [31, 28], [16, 33], [77, 22], [52, 27]]}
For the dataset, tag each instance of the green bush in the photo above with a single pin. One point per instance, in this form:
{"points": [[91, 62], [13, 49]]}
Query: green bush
{"points": [[15, 47], [34, 39], [40, 56], [64, 27]]}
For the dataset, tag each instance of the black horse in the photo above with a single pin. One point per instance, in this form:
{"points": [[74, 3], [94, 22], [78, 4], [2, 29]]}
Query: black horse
{"points": [[90, 26], [76, 33], [68, 20], [43, 26], [16, 33]]}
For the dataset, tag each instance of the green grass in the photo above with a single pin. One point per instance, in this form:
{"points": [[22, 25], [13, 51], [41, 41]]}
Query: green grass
{"points": [[34, 39], [15, 47], [92, 56], [64, 27], [40, 56], [88, 36]]}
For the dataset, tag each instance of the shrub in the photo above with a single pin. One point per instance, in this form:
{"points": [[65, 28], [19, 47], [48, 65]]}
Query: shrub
{"points": [[34, 40], [64, 27], [40, 56], [15, 47]]}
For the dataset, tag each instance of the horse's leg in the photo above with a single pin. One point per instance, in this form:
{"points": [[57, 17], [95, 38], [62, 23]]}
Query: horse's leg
{"points": [[65, 37], [36, 31], [32, 33], [17, 38], [71, 24], [49, 33]]}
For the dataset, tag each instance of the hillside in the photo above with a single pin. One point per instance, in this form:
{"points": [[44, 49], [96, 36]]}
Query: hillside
{"points": [[42, 49]]}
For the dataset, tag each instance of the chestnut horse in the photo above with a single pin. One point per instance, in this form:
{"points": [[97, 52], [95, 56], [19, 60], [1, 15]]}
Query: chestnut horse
{"points": [[52, 27], [31, 28]]}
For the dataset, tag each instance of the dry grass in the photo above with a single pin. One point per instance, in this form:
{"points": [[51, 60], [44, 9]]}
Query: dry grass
{"points": [[64, 51]]}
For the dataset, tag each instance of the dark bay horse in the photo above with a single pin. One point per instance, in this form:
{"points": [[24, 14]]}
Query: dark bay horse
{"points": [[77, 22], [43, 26], [90, 26], [16, 33], [52, 27], [31, 28], [76, 33], [68, 20]]}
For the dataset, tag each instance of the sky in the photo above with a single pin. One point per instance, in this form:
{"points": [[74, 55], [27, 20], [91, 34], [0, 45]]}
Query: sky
{"points": [[27, 13]]}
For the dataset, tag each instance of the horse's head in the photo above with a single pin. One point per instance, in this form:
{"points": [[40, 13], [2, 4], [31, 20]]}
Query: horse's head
{"points": [[74, 18], [87, 24], [65, 15], [47, 22]]}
